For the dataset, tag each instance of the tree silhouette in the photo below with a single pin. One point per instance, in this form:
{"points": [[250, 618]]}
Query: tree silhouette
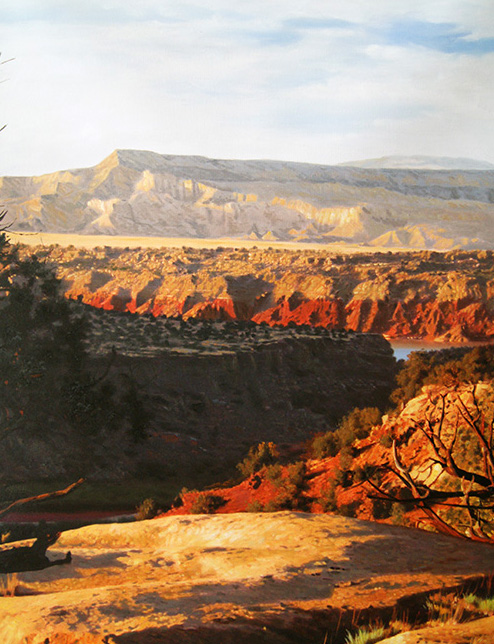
{"points": [[452, 479]]}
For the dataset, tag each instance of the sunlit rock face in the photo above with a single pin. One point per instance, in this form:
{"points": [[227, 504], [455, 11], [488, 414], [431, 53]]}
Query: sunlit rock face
{"points": [[431, 295], [135, 192], [272, 577]]}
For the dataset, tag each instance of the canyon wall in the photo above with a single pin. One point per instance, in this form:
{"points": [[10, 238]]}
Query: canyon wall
{"points": [[429, 295], [207, 406]]}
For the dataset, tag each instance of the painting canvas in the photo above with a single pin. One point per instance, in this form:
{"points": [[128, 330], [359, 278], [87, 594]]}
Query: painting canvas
{"points": [[246, 320]]}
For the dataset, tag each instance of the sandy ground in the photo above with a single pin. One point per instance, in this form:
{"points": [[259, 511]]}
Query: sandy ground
{"points": [[197, 571], [91, 241]]}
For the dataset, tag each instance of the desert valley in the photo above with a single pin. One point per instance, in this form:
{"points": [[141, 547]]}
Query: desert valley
{"points": [[205, 348]]}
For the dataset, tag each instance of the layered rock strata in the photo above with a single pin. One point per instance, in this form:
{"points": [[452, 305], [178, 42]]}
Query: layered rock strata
{"points": [[135, 192], [447, 296]]}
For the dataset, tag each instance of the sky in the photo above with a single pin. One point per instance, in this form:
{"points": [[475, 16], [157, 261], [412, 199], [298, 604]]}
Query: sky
{"points": [[320, 81]]}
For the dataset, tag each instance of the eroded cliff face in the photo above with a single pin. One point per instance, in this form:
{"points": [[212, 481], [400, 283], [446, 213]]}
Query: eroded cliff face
{"points": [[135, 192], [207, 408], [210, 393], [340, 483], [430, 295]]}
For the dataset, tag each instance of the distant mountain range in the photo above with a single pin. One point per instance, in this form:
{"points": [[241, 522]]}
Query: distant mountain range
{"points": [[140, 193], [421, 163]]}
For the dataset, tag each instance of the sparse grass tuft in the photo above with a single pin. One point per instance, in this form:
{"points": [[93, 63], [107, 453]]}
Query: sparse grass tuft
{"points": [[148, 509], [445, 608], [483, 604], [376, 633], [9, 585], [364, 636]]}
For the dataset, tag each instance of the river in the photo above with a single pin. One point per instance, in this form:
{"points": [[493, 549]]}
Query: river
{"points": [[403, 348]]}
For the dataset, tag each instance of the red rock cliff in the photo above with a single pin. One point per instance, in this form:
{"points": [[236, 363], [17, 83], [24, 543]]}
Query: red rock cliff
{"points": [[429, 295]]}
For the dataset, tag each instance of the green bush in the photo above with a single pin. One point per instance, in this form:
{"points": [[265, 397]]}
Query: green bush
{"points": [[146, 510], [207, 503], [358, 423], [328, 498], [325, 445], [274, 474], [355, 425], [448, 366], [291, 487], [258, 456]]}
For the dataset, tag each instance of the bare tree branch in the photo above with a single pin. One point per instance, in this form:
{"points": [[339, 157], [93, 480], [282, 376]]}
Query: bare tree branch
{"points": [[41, 497]]}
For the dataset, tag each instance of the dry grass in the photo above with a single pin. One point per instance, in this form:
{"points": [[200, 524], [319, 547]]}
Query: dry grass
{"points": [[9, 585]]}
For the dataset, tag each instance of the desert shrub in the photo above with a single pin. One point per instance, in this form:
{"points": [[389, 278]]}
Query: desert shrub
{"points": [[358, 423], [355, 425], [291, 487], [255, 506], [362, 473], [348, 509], [328, 498], [386, 440], [343, 474], [346, 457], [325, 445], [398, 514], [296, 475], [258, 456], [381, 508], [146, 510], [448, 366], [207, 503], [274, 474]]}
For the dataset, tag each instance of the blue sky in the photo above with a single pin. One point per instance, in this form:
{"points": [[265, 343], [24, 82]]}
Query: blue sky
{"points": [[323, 81]]}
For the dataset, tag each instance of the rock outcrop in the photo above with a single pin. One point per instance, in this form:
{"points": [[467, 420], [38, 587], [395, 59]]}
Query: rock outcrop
{"points": [[340, 480], [274, 578], [134, 192], [210, 391], [430, 295]]}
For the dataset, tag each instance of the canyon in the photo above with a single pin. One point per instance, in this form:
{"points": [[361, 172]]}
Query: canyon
{"points": [[445, 297], [342, 482]]}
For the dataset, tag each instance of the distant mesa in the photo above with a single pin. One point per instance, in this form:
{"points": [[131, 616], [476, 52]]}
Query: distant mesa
{"points": [[408, 202], [421, 163]]}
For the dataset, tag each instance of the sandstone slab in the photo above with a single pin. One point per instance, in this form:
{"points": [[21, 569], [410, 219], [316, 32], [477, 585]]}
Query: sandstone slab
{"points": [[280, 577]]}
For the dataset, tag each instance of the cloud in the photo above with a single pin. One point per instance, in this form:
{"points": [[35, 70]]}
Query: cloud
{"points": [[443, 37], [324, 81]]}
